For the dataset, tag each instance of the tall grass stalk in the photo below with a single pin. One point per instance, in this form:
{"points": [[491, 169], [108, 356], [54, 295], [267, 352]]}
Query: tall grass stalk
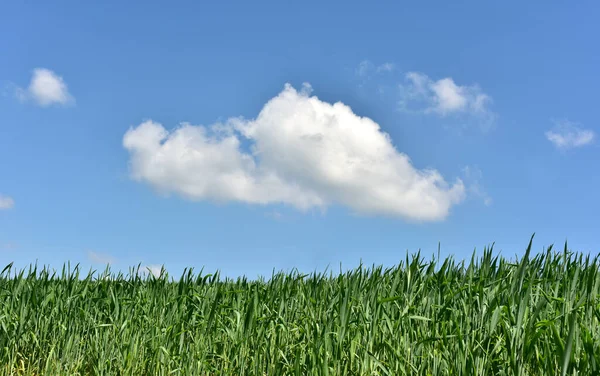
{"points": [[537, 315]]}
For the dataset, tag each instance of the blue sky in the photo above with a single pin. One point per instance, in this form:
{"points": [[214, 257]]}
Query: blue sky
{"points": [[209, 134]]}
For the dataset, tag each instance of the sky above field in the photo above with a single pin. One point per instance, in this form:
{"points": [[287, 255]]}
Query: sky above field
{"points": [[249, 137]]}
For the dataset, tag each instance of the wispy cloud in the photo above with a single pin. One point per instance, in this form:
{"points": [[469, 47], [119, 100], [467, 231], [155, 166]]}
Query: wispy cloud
{"points": [[444, 97], [568, 135], [100, 258], [8, 246], [274, 214], [366, 68], [305, 153], [473, 178], [6, 202], [45, 89], [385, 67]]}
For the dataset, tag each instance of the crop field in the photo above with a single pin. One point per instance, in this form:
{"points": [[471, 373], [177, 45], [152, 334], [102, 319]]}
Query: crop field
{"points": [[536, 315]]}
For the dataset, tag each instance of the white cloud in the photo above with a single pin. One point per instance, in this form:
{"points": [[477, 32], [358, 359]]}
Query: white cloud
{"points": [[444, 97], [46, 88], [473, 179], [567, 135], [448, 97], [6, 202], [304, 152], [100, 258]]}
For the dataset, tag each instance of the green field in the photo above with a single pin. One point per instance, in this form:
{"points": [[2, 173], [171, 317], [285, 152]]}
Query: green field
{"points": [[538, 315]]}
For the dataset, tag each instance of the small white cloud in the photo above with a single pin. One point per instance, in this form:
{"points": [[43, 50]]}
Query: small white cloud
{"points": [[100, 258], [8, 246], [473, 180], [448, 97], [568, 135], [444, 97], [303, 152], [46, 88], [6, 202]]}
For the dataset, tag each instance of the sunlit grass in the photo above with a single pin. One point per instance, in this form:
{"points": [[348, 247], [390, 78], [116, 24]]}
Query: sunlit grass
{"points": [[539, 315]]}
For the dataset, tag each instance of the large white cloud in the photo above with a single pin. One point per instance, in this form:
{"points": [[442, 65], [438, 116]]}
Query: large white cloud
{"points": [[46, 88], [568, 135], [6, 202], [303, 152]]}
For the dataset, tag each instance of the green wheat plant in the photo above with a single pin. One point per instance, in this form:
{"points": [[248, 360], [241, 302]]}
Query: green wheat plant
{"points": [[536, 315]]}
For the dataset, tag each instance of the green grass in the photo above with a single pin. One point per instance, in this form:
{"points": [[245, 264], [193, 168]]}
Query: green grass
{"points": [[539, 315]]}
